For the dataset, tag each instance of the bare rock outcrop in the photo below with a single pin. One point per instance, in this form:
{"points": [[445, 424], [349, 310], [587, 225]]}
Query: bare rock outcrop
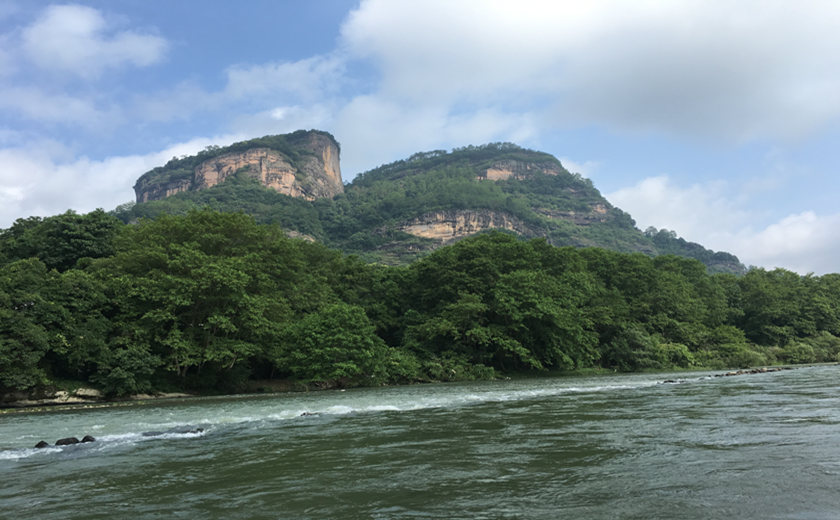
{"points": [[454, 224], [157, 191], [595, 213], [518, 170], [309, 169]]}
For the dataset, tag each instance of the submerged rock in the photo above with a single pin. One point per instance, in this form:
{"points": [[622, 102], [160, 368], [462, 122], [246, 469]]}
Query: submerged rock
{"points": [[181, 429], [762, 370], [42, 444], [88, 438], [66, 441]]}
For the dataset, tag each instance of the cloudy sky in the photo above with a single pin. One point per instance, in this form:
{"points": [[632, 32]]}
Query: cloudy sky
{"points": [[719, 120]]}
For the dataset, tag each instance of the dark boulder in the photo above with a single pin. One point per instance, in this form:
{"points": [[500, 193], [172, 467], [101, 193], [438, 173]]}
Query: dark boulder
{"points": [[177, 429], [88, 438], [42, 444], [66, 441]]}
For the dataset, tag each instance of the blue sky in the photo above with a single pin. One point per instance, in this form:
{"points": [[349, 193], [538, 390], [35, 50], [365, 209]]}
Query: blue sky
{"points": [[719, 120]]}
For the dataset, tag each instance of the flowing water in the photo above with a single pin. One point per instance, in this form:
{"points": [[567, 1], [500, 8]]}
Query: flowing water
{"points": [[754, 446]]}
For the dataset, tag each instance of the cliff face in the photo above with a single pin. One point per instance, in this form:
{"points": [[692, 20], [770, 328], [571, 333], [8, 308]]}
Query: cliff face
{"points": [[454, 224], [161, 190], [518, 170], [307, 167], [596, 213], [274, 170]]}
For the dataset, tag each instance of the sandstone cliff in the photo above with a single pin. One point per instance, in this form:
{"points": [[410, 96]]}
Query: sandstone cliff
{"points": [[302, 164], [519, 170], [161, 189], [451, 225], [594, 213]]}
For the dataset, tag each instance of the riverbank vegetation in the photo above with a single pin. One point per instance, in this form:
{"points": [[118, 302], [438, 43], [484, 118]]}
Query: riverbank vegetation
{"points": [[212, 300]]}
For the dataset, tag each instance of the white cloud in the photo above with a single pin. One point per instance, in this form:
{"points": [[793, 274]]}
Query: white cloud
{"points": [[804, 242], [701, 210], [265, 98], [35, 104], [751, 69], [707, 214], [76, 39], [585, 168], [45, 179], [374, 130], [178, 103], [310, 79], [284, 119]]}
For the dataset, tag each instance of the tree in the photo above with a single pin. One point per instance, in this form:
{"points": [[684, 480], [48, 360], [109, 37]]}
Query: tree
{"points": [[62, 240], [26, 317], [772, 303], [200, 289], [336, 345], [544, 315]]}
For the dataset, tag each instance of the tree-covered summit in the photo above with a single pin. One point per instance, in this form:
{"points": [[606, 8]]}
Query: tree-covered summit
{"points": [[476, 157]]}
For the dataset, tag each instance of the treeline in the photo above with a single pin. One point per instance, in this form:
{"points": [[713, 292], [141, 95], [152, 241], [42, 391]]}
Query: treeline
{"points": [[212, 300]]}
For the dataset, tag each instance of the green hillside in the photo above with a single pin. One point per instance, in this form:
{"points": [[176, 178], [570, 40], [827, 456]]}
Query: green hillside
{"points": [[377, 216]]}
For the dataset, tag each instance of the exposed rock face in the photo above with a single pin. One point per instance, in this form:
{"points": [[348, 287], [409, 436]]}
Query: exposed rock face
{"points": [[314, 173], [291, 233], [519, 170], [324, 167], [162, 190], [454, 224], [597, 213], [271, 168], [451, 225]]}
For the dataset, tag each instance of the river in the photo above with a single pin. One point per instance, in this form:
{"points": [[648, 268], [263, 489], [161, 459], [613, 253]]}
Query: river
{"points": [[628, 446]]}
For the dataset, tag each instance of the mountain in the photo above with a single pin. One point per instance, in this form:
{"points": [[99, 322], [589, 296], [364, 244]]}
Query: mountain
{"points": [[400, 211]]}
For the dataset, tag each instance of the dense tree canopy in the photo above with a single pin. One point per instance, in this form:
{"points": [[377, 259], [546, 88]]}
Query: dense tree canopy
{"points": [[210, 300]]}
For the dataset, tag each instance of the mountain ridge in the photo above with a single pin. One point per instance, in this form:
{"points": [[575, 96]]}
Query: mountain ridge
{"points": [[402, 210]]}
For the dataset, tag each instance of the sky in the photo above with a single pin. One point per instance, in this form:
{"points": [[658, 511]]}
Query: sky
{"points": [[719, 120]]}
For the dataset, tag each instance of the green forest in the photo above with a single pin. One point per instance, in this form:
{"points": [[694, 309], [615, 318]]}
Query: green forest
{"points": [[212, 301]]}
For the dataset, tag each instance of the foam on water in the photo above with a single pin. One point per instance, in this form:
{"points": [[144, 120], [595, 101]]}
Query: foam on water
{"points": [[119, 428]]}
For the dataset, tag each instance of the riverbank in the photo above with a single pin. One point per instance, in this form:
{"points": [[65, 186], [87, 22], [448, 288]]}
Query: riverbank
{"points": [[89, 398], [77, 399]]}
